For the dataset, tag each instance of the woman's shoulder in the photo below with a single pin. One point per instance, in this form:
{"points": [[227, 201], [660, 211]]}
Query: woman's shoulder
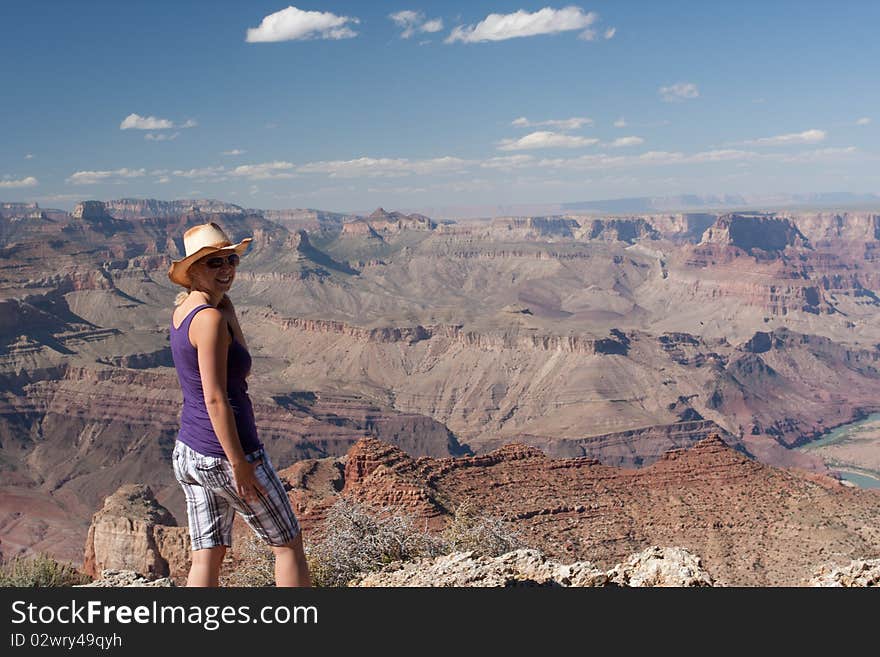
{"points": [[207, 318], [184, 310]]}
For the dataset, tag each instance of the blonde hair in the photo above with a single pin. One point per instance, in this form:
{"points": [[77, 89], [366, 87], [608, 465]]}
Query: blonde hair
{"points": [[181, 297]]}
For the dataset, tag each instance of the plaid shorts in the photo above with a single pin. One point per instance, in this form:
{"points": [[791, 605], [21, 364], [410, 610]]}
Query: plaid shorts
{"points": [[212, 499]]}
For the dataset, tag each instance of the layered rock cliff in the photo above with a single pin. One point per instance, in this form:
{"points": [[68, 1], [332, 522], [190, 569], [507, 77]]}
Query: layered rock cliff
{"points": [[751, 232], [134, 532], [133, 208], [750, 523]]}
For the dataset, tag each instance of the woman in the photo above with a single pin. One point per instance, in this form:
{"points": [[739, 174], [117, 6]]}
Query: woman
{"points": [[218, 458]]}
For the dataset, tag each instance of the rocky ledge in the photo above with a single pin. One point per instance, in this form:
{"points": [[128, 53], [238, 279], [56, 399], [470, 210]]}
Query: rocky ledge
{"points": [[861, 572], [126, 578], [656, 566]]}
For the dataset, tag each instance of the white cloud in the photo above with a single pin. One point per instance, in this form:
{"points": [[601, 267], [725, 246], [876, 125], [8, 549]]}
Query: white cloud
{"points": [[545, 139], [234, 151], [610, 32], [163, 180], [264, 171], [620, 123], [293, 24], [650, 158], [94, 177], [587, 35], [204, 173], [863, 121], [805, 137], [397, 190], [627, 141], [498, 27], [507, 162], [603, 161], [573, 123], [678, 92], [160, 136], [386, 167], [30, 181], [414, 21], [29, 156], [138, 122], [721, 155], [818, 155], [433, 25]]}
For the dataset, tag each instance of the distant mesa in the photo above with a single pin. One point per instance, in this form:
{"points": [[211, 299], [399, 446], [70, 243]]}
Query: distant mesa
{"points": [[719, 202], [755, 232], [149, 208], [382, 221], [22, 211], [628, 230], [305, 250], [533, 228], [91, 211], [305, 219]]}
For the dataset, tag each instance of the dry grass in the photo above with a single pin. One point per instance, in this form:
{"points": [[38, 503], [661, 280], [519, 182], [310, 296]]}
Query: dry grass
{"points": [[40, 570], [484, 534], [359, 538]]}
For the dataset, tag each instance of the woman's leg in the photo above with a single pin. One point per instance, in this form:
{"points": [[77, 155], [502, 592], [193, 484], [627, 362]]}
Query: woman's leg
{"points": [[291, 568], [205, 568]]}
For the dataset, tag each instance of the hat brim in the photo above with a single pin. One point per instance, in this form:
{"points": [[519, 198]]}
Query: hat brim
{"points": [[178, 272]]}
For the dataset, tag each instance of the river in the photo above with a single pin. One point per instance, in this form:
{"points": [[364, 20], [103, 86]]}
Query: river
{"points": [[852, 450]]}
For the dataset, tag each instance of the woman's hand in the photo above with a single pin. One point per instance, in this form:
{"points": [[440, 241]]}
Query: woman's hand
{"points": [[246, 480]]}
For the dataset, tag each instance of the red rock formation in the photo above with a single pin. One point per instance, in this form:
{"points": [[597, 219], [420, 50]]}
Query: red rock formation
{"points": [[752, 524], [134, 532]]}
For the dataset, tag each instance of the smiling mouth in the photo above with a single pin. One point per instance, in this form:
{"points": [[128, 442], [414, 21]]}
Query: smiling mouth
{"points": [[224, 280]]}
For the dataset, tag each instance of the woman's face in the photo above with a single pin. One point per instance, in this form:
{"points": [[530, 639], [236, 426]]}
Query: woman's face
{"points": [[214, 273]]}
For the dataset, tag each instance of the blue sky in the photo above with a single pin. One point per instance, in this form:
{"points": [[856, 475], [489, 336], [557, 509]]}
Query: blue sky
{"points": [[336, 105]]}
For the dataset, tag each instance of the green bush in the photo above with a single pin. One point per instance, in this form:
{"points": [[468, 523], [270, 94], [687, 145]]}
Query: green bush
{"points": [[40, 570]]}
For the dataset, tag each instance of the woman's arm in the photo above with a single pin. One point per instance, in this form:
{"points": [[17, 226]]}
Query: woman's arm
{"points": [[211, 337]]}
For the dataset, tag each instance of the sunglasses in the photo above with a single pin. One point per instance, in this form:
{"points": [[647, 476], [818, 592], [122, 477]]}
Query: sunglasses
{"points": [[218, 261]]}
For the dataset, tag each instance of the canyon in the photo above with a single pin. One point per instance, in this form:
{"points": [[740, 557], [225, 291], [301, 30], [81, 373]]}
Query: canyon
{"points": [[613, 338]]}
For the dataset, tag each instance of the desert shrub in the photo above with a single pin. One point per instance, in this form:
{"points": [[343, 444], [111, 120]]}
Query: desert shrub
{"points": [[40, 570], [255, 564], [484, 534], [359, 538]]}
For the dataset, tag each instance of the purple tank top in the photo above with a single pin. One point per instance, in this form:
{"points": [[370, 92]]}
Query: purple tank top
{"points": [[196, 429]]}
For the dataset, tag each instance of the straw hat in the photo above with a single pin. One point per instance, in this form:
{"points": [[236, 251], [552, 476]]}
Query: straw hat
{"points": [[198, 242]]}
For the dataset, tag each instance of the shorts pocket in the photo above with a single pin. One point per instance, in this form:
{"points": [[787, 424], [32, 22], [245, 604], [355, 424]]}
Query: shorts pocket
{"points": [[177, 464], [212, 471]]}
